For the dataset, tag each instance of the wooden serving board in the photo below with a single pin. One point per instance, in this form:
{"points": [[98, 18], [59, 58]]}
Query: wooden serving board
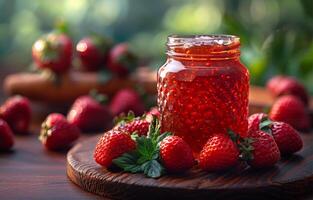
{"points": [[290, 178]]}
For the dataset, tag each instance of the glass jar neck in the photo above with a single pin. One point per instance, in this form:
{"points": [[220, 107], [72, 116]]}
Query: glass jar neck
{"points": [[203, 47]]}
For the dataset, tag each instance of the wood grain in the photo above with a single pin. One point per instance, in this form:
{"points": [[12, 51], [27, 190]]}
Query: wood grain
{"points": [[290, 178]]}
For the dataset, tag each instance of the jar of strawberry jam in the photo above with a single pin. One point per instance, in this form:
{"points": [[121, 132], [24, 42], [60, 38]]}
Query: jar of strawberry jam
{"points": [[203, 88]]}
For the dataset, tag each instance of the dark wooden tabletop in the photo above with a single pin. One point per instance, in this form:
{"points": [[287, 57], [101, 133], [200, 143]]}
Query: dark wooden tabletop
{"points": [[30, 172]]}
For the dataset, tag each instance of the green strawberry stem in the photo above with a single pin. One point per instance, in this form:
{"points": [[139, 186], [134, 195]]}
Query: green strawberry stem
{"points": [[244, 145], [61, 26], [101, 98], [145, 159], [123, 119], [265, 125]]}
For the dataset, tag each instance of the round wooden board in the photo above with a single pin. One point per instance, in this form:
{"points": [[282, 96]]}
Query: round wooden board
{"points": [[291, 177]]}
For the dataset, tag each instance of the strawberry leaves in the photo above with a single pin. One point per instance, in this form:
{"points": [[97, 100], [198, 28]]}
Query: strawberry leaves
{"points": [[152, 169], [244, 145], [146, 158], [265, 125]]}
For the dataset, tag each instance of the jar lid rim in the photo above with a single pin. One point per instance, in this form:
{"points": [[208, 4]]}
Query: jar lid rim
{"points": [[211, 39]]}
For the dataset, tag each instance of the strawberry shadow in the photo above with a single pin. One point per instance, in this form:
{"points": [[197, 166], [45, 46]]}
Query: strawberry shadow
{"points": [[6, 153], [292, 158]]}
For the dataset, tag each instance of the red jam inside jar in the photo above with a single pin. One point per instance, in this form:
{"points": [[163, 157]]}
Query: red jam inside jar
{"points": [[203, 88]]}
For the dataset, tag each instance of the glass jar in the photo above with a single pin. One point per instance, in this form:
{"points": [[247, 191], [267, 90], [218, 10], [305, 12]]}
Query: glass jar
{"points": [[203, 88]]}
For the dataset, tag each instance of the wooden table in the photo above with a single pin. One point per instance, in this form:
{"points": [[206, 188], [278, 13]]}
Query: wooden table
{"points": [[30, 172]]}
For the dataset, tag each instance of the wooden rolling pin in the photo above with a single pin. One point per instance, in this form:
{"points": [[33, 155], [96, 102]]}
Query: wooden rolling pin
{"points": [[38, 87]]}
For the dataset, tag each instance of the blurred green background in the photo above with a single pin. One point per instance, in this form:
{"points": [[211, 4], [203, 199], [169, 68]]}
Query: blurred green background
{"points": [[276, 35]]}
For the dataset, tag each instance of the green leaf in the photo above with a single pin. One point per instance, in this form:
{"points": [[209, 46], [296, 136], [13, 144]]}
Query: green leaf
{"points": [[122, 118], [146, 157], [128, 162], [145, 148], [134, 136], [163, 136], [265, 125], [152, 169]]}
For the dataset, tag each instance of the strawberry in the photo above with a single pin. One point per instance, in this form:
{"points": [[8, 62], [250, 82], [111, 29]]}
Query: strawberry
{"points": [[16, 112], [287, 85], [176, 155], [56, 133], [126, 100], [93, 51], [264, 152], [291, 110], [89, 113], [53, 51], [6, 136], [131, 124], [255, 120], [112, 145], [121, 60], [287, 139], [219, 153]]}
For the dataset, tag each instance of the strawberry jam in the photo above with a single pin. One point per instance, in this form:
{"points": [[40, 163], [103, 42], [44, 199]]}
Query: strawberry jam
{"points": [[203, 88]]}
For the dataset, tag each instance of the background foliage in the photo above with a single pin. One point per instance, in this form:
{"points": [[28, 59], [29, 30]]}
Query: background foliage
{"points": [[276, 35]]}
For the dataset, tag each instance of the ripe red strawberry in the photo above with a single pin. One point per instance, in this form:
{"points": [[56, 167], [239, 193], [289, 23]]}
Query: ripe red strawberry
{"points": [[93, 51], [90, 114], [176, 155], [121, 60], [291, 110], [265, 152], [16, 112], [6, 136], [131, 124], [126, 100], [219, 153], [255, 120], [287, 85], [56, 133], [287, 139], [112, 145], [53, 51], [140, 126]]}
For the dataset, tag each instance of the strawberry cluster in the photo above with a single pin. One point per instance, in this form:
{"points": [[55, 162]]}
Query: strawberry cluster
{"points": [[292, 103], [88, 113], [54, 52], [15, 116], [136, 145], [91, 113]]}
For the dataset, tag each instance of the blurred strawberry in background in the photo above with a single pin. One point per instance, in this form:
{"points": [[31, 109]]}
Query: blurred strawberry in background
{"points": [[290, 109], [6, 136], [90, 113], [126, 100], [56, 133], [16, 112], [287, 85], [93, 51], [53, 51], [121, 60]]}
